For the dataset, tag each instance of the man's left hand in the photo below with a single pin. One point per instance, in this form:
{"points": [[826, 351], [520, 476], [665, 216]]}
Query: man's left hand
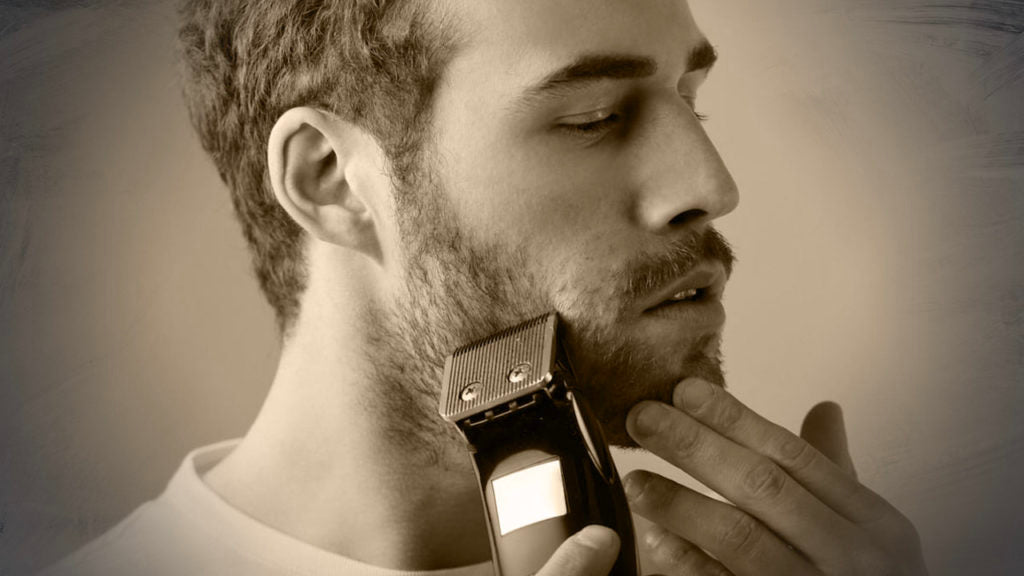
{"points": [[797, 505]]}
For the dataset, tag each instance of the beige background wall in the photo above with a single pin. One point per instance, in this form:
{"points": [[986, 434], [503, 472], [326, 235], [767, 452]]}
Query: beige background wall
{"points": [[879, 147]]}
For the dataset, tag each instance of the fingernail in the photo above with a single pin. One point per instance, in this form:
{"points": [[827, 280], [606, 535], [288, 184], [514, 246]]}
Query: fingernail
{"points": [[596, 537], [649, 418], [633, 485], [695, 394]]}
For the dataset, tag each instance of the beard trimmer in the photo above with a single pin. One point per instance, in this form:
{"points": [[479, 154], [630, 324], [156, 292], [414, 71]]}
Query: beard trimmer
{"points": [[542, 464]]}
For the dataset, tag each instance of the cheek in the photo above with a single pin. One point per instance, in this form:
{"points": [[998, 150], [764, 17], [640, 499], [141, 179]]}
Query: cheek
{"points": [[567, 211], [583, 274], [535, 200]]}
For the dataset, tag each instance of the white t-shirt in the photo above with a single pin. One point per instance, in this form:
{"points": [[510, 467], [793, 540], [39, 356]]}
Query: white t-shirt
{"points": [[190, 530]]}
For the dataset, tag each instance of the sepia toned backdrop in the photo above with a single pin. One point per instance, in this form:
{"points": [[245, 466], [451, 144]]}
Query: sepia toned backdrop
{"points": [[879, 149]]}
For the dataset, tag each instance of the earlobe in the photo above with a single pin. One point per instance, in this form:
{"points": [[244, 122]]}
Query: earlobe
{"points": [[313, 158]]}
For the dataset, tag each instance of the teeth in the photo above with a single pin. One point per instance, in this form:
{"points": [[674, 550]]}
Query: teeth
{"points": [[685, 294]]}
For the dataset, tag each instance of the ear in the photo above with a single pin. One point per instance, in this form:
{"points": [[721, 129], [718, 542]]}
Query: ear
{"points": [[314, 159]]}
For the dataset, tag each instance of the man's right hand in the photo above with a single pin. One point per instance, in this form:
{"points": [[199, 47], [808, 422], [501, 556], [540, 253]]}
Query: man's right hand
{"points": [[589, 552]]}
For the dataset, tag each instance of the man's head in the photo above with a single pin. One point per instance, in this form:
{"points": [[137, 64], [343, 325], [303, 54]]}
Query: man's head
{"points": [[559, 165], [246, 62]]}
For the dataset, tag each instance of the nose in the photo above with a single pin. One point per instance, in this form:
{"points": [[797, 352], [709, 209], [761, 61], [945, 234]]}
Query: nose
{"points": [[682, 181]]}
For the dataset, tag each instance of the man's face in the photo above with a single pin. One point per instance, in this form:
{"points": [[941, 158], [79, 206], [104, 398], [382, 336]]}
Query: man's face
{"points": [[568, 172]]}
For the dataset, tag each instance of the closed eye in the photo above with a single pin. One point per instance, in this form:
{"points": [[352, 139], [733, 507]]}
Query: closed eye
{"points": [[591, 127]]}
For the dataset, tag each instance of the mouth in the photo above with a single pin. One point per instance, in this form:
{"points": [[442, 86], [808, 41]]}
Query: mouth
{"points": [[699, 291]]}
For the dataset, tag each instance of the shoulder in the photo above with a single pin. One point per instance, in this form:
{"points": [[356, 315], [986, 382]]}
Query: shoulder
{"points": [[177, 533], [158, 539], [124, 549]]}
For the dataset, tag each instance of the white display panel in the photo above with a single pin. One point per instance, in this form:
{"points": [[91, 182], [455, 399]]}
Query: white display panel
{"points": [[529, 496]]}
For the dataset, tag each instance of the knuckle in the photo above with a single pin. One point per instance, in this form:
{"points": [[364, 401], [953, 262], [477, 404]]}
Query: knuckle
{"points": [[765, 480], [729, 414], [797, 455], [909, 536], [876, 514], [685, 439], [898, 530], [679, 555], [871, 509], [742, 536]]}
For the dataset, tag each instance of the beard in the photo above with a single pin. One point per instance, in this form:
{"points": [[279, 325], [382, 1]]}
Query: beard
{"points": [[458, 289]]}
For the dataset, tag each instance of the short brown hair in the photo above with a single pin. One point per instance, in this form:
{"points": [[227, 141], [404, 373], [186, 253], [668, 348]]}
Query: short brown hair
{"points": [[371, 62]]}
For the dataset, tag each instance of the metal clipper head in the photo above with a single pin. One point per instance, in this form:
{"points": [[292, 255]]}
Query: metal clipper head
{"points": [[489, 377]]}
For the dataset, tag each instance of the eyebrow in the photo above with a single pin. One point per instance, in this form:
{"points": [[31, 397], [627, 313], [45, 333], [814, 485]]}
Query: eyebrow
{"points": [[592, 68]]}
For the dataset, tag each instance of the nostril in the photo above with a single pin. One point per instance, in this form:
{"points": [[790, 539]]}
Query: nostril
{"points": [[686, 218]]}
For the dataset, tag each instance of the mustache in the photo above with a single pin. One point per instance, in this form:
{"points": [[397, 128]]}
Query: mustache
{"points": [[650, 272]]}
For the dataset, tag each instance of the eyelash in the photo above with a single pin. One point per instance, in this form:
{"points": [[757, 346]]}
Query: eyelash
{"points": [[593, 128], [604, 124]]}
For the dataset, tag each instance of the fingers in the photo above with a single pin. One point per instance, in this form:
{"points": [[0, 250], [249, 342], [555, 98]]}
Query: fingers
{"points": [[692, 520], [824, 429], [750, 480], [679, 557], [720, 411], [785, 490], [590, 552]]}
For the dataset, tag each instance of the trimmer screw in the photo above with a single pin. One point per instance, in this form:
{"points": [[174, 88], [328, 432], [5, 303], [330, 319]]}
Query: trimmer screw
{"points": [[520, 372], [469, 393]]}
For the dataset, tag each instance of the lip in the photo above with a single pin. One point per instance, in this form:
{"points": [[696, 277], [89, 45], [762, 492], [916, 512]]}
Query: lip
{"points": [[708, 277]]}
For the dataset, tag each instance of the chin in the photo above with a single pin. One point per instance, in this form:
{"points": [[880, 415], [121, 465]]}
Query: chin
{"points": [[612, 395], [617, 437]]}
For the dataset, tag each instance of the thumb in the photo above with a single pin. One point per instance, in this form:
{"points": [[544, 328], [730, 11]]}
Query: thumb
{"points": [[824, 429], [589, 552]]}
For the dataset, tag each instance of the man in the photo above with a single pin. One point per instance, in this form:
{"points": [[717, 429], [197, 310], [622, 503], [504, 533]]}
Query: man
{"points": [[413, 175]]}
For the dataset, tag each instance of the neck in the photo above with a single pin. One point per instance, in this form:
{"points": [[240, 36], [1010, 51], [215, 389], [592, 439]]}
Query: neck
{"points": [[321, 465]]}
